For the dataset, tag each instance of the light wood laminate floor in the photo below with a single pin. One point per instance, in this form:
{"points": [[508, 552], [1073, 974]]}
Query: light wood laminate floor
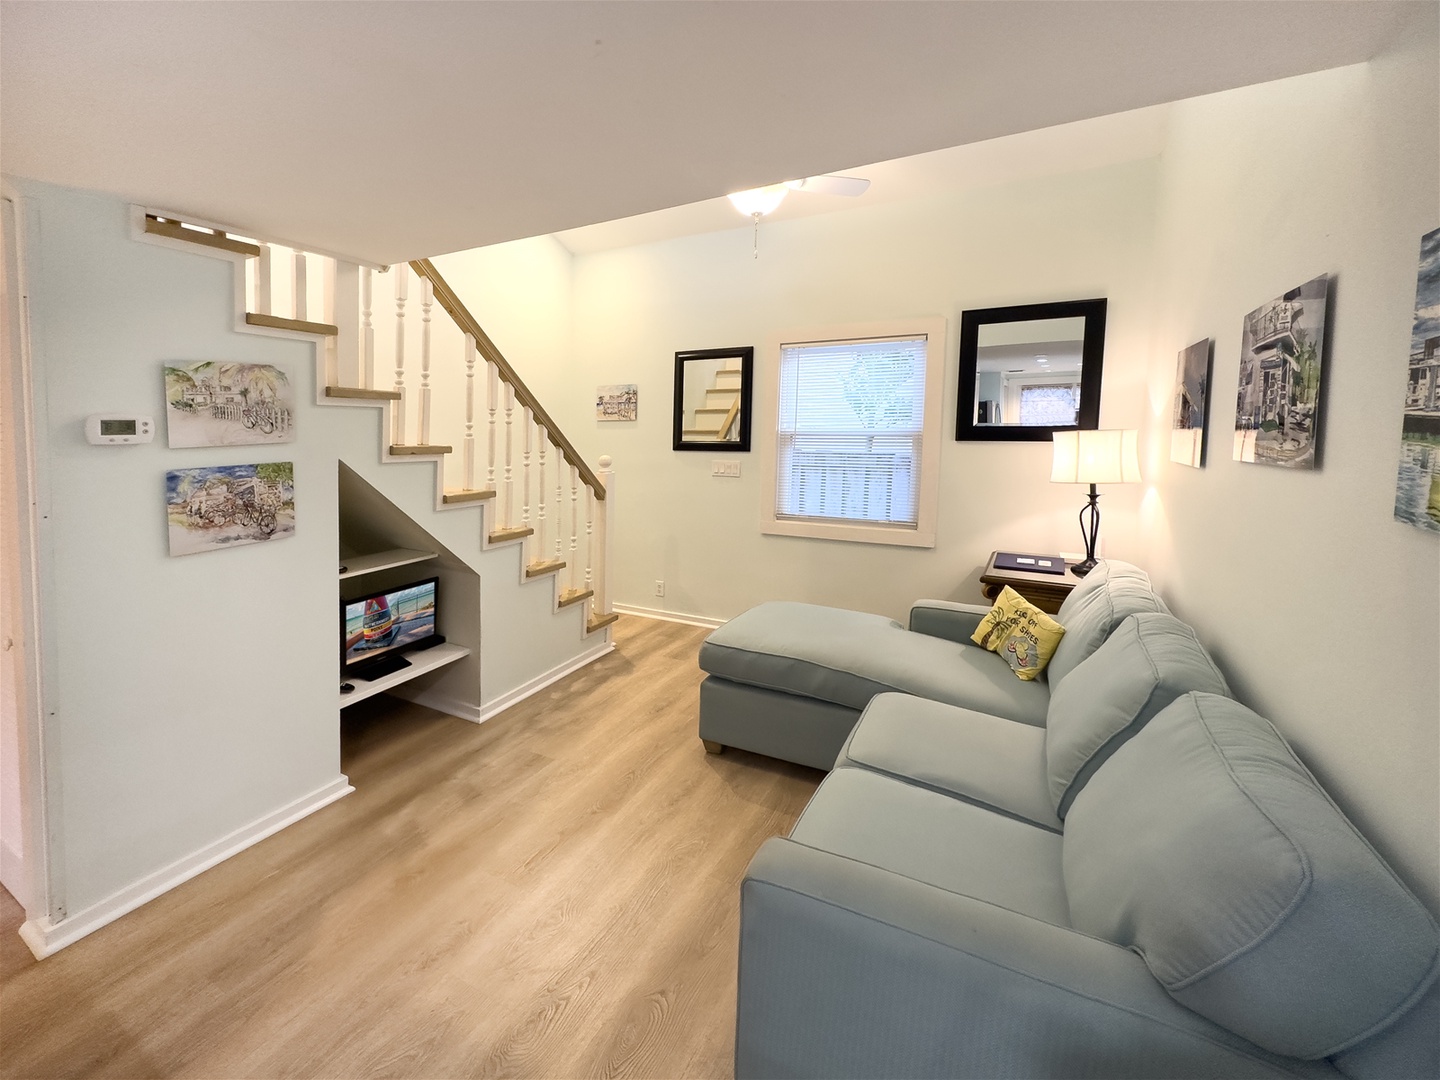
{"points": [[553, 893]]}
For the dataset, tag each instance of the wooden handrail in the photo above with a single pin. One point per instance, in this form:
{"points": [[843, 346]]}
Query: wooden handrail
{"points": [[451, 303]]}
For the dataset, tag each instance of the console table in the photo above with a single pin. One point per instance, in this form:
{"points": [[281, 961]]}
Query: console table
{"points": [[1045, 591]]}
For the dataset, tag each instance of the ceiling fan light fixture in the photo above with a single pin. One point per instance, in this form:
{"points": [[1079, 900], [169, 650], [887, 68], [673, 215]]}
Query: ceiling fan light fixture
{"points": [[757, 202]]}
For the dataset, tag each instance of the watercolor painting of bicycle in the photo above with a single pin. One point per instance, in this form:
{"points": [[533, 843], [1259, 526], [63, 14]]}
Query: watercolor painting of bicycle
{"points": [[213, 403]]}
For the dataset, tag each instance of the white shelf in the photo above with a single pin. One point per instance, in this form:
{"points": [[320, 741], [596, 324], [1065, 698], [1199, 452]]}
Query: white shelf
{"points": [[356, 565], [420, 663]]}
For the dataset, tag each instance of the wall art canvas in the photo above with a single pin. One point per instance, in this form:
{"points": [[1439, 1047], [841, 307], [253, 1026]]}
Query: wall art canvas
{"points": [[1278, 402], [1192, 382], [219, 404], [1417, 494], [225, 506], [618, 402]]}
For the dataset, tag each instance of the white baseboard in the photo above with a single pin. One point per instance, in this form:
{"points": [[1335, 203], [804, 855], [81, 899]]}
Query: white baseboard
{"points": [[668, 616], [46, 937], [479, 714], [12, 874]]}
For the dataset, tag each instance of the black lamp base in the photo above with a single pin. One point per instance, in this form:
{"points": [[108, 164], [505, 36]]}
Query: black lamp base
{"points": [[1089, 532]]}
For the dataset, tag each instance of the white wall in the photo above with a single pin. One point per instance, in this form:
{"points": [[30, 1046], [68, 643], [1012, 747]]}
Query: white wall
{"points": [[1321, 609], [1058, 238], [186, 698]]}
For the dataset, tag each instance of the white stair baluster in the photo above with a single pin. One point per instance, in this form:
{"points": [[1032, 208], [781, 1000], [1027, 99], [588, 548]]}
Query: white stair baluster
{"points": [[509, 451], [427, 298], [525, 473], [493, 400], [540, 525], [402, 287], [298, 285], [574, 526], [589, 538], [559, 503], [262, 280], [469, 413], [367, 334]]}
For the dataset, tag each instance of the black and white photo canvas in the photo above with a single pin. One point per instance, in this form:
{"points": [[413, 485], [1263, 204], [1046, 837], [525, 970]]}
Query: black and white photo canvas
{"points": [[213, 403], [1278, 402], [1187, 429], [1417, 492]]}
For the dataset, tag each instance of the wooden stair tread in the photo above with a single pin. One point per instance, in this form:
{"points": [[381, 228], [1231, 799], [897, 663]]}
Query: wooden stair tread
{"points": [[363, 395], [500, 536], [175, 231], [539, 569], [722, 390], [299, 326], [574, 596], [718, 409], [597, 622], [473, 495], [417, 451]]}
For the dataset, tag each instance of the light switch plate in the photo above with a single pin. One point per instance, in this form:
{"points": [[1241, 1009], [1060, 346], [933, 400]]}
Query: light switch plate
{"points": [[725, 468]]}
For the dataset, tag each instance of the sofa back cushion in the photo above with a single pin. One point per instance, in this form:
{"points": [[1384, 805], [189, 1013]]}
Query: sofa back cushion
{"points": [[1208, 848], [1094, 608], [1145, 664]]}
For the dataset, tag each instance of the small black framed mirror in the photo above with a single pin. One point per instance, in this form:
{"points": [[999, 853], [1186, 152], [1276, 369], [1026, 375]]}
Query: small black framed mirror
{"points": [[1030, 370], [712, 399]]}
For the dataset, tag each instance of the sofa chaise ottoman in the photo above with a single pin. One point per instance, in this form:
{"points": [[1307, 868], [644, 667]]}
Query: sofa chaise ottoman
{"points": [[790, 680]]}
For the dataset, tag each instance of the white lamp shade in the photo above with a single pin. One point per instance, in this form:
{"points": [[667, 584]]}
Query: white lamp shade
{"points": [[1109, 456], [759, 200]]}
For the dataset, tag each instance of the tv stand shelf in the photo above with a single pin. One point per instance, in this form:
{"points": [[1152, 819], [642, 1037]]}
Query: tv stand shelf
{"points": [[356, 565], [420, 663]]}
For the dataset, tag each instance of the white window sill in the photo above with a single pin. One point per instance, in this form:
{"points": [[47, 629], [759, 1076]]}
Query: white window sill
{"points": [[897, 536]]}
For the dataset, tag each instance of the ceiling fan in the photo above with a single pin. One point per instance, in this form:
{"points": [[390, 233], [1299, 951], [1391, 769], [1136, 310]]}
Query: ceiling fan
{"points": [[757, 202]]}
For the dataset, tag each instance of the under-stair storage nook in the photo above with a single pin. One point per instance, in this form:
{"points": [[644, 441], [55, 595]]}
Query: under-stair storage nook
{"points": [[382, 548]]}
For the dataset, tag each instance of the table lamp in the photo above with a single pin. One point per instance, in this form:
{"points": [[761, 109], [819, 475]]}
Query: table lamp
{"points": [[1108, 456]]}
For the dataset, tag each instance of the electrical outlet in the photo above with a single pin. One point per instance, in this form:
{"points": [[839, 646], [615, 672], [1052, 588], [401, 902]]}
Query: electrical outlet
{"points": [[725, 468], [659, 588]]}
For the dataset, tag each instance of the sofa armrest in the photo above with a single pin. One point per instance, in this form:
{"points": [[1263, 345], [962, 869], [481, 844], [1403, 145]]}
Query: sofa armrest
{"points": [[847, 969], [947, 619]]}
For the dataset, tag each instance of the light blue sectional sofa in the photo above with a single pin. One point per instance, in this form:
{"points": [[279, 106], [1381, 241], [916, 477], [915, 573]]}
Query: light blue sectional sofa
{"points": [[1144, 881]]}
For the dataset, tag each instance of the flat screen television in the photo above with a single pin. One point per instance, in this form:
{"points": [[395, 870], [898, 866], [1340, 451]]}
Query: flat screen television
{"points": [[376, 630]]}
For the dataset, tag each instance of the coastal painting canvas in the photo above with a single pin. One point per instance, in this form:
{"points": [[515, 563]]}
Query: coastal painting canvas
{"points": [[1192, 382], [213, 403], [1417, 494], [225, 506], [1278, 401], [617, 402]]}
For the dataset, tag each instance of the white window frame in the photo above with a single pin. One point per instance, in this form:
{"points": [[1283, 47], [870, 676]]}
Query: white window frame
{"points": [[933, 329]]}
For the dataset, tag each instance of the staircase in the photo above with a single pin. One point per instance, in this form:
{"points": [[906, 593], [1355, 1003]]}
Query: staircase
{"points": [[519, 474]]}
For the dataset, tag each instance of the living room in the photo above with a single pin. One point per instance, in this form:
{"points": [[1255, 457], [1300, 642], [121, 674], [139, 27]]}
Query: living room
{"points": [[1319, 607]]}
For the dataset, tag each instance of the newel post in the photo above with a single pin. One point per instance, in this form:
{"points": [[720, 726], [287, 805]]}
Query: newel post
{"points": [[604, 526]]}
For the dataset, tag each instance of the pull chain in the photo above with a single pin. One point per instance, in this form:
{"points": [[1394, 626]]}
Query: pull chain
{"points": [[755, 217]]}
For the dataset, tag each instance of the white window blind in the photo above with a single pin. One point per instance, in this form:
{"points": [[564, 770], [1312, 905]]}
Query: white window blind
{"points": [[1056, 405], [850, 420]]}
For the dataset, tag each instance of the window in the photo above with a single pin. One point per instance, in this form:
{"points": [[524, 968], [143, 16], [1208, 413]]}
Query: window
{"points": [[857, 435]]}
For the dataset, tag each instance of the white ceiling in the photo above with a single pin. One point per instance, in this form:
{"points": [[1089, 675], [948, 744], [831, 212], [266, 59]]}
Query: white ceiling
{"points": [[393, 130]]}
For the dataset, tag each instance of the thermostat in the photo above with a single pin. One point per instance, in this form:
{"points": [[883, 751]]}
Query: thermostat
{"points": [[106, 429]]}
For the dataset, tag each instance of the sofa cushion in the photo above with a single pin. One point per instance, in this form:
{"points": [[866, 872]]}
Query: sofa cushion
{"points": [[1206, 846], [1149, 661], [941, 841], [970, 755], [847, 657], [1094, 608]]}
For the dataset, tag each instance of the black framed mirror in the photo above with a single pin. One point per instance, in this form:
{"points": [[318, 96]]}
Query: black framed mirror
{"points": [[712, 399], [1030, 370]]}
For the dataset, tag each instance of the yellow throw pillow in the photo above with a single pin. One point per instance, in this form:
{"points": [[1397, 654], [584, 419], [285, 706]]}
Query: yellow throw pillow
{"points": [[1020, 632]]}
